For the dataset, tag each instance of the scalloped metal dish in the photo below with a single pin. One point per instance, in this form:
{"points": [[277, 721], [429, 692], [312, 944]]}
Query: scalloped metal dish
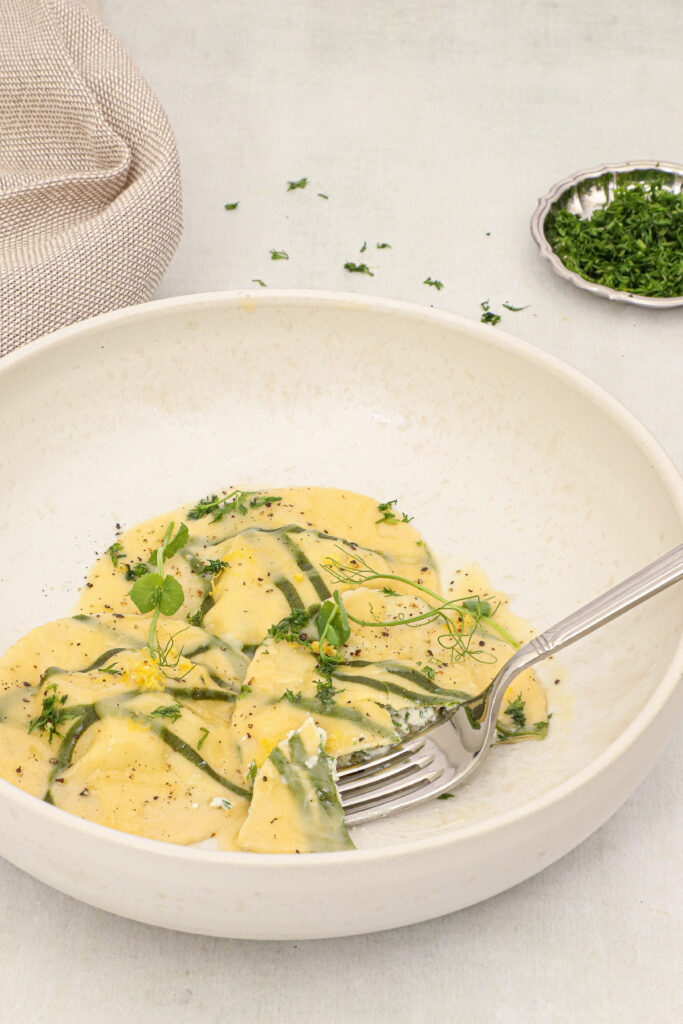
{"points": [[583, 193]]}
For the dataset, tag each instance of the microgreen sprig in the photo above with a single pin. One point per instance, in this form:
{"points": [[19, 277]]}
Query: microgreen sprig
{"points": [[466, 611], [158, 591]]}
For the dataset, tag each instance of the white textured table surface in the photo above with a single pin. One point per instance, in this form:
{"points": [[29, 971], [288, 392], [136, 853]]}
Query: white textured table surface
{"points": [[428, 125]]}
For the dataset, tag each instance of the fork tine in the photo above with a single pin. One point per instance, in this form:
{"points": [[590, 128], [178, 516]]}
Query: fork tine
{"points": [[365, 780], [377, 764], [399, 793]]}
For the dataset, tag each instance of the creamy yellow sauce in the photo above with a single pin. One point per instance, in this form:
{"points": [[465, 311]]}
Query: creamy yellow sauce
{"points": [[221, 731]]}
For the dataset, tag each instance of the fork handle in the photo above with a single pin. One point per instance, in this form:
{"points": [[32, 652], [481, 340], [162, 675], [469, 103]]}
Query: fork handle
{"points": [[644, 584]]}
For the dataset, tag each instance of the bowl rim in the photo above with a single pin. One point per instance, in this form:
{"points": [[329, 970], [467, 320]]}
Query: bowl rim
{"points": [[249, 300], [545, 204]]}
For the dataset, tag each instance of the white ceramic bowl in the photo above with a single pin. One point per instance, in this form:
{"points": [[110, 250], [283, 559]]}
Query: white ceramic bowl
{"points": [[501, 453]]}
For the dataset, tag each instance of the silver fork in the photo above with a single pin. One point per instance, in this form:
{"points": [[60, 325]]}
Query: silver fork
{"points": [[418, 769]]}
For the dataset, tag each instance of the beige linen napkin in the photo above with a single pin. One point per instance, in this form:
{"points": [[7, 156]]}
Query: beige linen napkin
{"points": [[90, 197]]}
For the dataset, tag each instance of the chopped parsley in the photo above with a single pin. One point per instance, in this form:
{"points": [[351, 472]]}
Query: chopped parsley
{"points": [[515, 710], [446, 796], [52, 713], [279, 254], [301, 183], [293, 698], [434, 284], [252, 770], [134, 572], [325, 691], [514, 309], [323, 196], [363, 247], [203, 733], [195, 618], [231, 206], [389, 516], [257, 280], [212, 567], [236, 501], [635, 244], [487, 317], [290, 627], [383, 245], [358, 268], [115, 552]]}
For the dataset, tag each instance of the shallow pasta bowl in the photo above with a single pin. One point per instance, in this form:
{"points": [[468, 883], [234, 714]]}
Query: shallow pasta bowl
{"points": [[503, 455]]}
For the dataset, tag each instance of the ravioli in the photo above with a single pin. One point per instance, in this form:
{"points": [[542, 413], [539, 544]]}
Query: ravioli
{"points": [[301, 629]]}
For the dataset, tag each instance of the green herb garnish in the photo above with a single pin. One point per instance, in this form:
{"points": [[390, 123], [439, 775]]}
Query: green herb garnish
{"points": [[158, 591], [358, 268], [236, 501], [52, 713], [323, 196], [446, 796], [515, 710], [514, 309], [203, 733], [332, 622], [325, 691], [170, 711], [635, 244], [115, 552], [301, 183], [461, 619], [290, 627], [279, 254], [383, 245], [293, 698], [434, 284], [487, 317], [252, 770], [257, 280], [134, 572], [388, 514], [231, 206], [212, 567], [363, 247]]}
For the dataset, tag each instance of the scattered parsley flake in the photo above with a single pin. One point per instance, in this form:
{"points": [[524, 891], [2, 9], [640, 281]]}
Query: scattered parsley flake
{"points": [[363, 247], [231, 206], [253, 769], [383, 245], [279, 254], [358, 268], [257, 280], [203, 734], [445, 796], [487, 317], [514, 309], [301, 183], [434, 284], [323, 196]]}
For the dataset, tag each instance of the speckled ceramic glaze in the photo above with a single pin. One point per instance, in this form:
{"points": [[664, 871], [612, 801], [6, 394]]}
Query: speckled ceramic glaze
{"points": [[503, 455]]}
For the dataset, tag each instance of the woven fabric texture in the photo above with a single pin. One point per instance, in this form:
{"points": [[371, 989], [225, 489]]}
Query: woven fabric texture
{"points": [[90, 193]]}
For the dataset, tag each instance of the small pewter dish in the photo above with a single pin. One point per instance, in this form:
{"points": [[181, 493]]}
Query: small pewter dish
{"points": [[586, 191]]}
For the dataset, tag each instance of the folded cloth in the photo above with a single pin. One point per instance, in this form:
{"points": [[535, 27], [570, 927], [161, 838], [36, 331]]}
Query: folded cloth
{"points": [[90, 196]]}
